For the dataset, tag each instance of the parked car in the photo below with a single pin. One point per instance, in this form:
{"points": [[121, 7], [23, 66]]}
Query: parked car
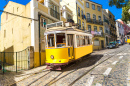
{"points": [[113, 44], [119, 42]]}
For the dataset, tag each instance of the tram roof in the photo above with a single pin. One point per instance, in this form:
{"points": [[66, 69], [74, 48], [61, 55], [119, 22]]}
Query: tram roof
{"points": [[55, 29]]}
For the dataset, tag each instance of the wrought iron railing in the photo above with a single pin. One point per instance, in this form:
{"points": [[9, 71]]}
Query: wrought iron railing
{"points": [[105, 20], [89, 20], [54, 13]]}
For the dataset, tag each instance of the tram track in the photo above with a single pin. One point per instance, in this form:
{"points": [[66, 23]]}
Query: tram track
{"points": [[54, 80], [91, 70]]}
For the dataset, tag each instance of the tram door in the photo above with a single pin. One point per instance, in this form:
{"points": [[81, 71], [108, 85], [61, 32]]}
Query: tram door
{"points": [[70, 42]]}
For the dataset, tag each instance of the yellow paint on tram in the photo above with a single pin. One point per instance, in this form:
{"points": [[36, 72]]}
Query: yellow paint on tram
{"points": [[82, 51], [128, 40], [61, 54]]}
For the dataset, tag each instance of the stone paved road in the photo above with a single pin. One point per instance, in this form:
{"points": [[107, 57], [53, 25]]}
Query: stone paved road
{"points": [[107, 67]]}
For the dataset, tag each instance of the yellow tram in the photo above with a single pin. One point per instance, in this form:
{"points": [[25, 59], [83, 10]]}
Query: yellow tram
{"points": [[128, 37], [65, 44]]}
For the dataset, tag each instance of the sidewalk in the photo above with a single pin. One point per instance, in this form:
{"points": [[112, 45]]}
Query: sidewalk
{"points": [[13, 77]]}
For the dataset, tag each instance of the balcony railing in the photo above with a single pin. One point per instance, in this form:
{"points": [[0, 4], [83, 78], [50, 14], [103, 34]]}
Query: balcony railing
{"points": [[102, 35], [97, 34], [89, 20], [106, 21], [55, 14]]}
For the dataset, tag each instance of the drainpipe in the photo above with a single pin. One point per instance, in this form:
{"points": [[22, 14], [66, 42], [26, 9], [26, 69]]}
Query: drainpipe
{"points": [[39, 15]]}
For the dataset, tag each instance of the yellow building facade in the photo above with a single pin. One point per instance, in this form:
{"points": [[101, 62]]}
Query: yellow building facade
{"points": [[89, 17], [18, 33], [94, 23], [112, 26]]}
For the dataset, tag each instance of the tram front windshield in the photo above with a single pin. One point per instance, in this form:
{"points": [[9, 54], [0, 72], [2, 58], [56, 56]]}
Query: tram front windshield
{"points": [[60, 40]]}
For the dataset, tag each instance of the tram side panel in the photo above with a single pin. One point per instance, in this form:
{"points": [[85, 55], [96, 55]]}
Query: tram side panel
{"points": [[82, 51]]}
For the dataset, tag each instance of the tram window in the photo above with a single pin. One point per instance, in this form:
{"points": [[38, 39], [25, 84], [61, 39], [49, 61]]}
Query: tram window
{"points": [[77, 38], [83, 40], [60, 39], [128, 37], [86, 40], [51, 42], [90, 41], [70, 40], [80, 37]]}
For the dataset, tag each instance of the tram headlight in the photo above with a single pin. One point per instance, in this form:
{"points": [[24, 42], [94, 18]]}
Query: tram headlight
{"points": [[52, 57]]}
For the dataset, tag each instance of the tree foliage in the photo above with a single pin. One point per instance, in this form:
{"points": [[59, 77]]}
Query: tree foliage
{"points": [[119, 3], [125, 14], [125, 5]]}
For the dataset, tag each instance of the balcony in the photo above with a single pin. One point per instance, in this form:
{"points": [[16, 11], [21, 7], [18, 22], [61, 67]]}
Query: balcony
{"points": [[54, 14], [89, 20], [97, 34], [105, 20]]}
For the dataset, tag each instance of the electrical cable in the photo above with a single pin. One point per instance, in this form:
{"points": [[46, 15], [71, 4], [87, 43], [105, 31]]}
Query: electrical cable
{"points": [[18, 15]]}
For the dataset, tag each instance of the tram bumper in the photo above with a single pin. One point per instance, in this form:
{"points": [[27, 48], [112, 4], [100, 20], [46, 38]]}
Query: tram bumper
{"points": [[55, 66]]}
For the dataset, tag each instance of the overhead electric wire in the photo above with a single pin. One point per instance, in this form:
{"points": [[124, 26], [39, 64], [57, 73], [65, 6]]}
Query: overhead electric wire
{"points": [[18, 15]]}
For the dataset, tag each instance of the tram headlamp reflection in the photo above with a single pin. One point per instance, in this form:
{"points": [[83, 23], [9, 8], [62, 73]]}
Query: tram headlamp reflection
{"points": [[52, 57]]}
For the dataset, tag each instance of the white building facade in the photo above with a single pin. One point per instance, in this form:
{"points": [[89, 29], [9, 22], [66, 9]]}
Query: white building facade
{"points": [[120, 31], [106, 26]]}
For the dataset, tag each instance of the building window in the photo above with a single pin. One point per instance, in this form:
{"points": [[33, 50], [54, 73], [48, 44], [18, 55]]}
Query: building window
{"points": [[89, 28], [101, 30], [98, 8], [83, 25], [99, 18], [17, 9], [110, 16], [88, 15], [78, 11], [4, 33], [95, 28], [79, 24], [69, 16], [94, 17], [82, 12], [93, 6], [12, 30], [43, 22], [87, 4]]}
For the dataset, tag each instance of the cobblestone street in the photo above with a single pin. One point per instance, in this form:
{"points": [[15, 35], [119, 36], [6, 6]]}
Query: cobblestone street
{"points": [[107, 67]]}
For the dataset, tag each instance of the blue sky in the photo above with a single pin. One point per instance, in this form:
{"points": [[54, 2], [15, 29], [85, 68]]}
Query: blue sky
{"points": [[113, 9]]}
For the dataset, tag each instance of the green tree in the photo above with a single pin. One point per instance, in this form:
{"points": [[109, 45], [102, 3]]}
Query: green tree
{"points": [[125, 5], [119, 3], [125, 14]]}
